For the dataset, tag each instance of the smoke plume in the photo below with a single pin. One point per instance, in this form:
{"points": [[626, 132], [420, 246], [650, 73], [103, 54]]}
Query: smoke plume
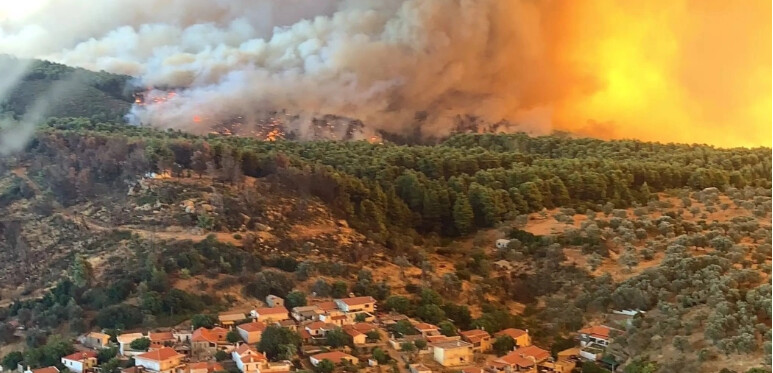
{"points": [[679, 70]]}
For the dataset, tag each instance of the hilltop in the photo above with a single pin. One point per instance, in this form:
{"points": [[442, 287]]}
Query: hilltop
{"points": [[62, 91]]}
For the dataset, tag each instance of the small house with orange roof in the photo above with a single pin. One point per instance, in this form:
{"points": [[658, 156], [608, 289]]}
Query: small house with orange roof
{"points": [[161, 339], [204, 367], [336, 357], [209, 340], [521, 337], [269, 314], [51, 369], [80, 361], [248, 359], [480, 339], [251, 331], [162, 360], [522, 359]]}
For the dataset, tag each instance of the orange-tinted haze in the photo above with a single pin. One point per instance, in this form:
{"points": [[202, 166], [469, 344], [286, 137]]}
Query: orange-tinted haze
{"points": [[694, 71]]}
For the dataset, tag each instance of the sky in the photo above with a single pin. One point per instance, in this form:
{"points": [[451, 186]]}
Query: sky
{"points": [[694, 71]]}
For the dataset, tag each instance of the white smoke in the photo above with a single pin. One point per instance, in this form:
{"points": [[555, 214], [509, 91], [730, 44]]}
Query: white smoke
{"points": [[379, 61]]}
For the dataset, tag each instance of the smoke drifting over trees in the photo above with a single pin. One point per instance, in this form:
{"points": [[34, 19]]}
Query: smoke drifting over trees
{"points": [[384, 61]]}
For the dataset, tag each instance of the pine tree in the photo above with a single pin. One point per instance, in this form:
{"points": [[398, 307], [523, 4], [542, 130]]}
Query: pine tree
{"points": [[463, 216]]}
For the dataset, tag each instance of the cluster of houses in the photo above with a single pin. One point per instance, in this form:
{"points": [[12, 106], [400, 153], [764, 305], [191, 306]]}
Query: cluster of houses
{"points": [[193, 351]]}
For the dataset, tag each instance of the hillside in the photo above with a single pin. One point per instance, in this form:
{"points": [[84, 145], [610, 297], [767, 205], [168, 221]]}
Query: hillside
{"points": [[105, 225], [61, 91]]}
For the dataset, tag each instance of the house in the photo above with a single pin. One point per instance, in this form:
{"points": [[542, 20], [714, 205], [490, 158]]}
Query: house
{"points": [[208, 340], [318, 329], [251, 332], [598, 334], [162, 360], [327, 307], [95, 340], [161, 339], [274, 301], [80, 361], [439, 338], [426, 329], [333, 318], [522, 359], [228, 319], [452, 353], [287, 324], [419, 368], [355, 304], [271, 314], [306, 313], [248, 359], [480, 339], [124, 340], [521, 337], [472, 370], [336, 357], [50, 369], [502, 243], [358, 332], [594, 341], [204, 367], [357, 337]]}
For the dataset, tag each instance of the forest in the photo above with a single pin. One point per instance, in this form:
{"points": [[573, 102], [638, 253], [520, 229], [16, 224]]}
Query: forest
{"points": [[711, 277]]}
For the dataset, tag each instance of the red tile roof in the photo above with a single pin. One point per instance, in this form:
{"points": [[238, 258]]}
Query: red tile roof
{"points": [[162, 336], [424, 326], [271, 311], [244, 348], [356, 301], [314, 325], [161, 354], [334, 356], [327, 306], [46, 370], [214, 335], [474, 335], [361, 327], [353, 332], [597, 331], [255, 326], [253, 358], [513, 333], [81, 355]]}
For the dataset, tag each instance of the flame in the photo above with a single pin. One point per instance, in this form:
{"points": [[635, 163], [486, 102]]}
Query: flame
{"points": [[196, 119], [682, 71]]}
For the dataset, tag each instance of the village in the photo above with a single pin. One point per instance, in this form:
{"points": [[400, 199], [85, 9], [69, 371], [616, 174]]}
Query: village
{"points": [[346, 334]]}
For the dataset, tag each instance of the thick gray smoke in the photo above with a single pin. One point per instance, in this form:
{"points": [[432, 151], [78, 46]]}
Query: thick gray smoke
{"points": [[379, 61]]}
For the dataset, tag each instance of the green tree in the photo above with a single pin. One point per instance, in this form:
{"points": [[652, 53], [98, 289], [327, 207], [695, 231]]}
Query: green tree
{"points": [[464, 218], [431, 313], [629, 259], [274, 337], [324, 366], [339, 290], [12, 359], [680, 343], [203, 321], [420, 344], [404, 327], [373, 335], [447, 328], [104, 355], [81, 272], [232, 336], [407, 347], [380, 356], [295, 298], [336, 338], [111, 366], [140, 344], [503, 345], [221, 355], [398, 304]]}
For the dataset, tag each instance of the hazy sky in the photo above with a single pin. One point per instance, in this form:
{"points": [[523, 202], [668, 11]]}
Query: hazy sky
{"points": [[677, 70]]}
